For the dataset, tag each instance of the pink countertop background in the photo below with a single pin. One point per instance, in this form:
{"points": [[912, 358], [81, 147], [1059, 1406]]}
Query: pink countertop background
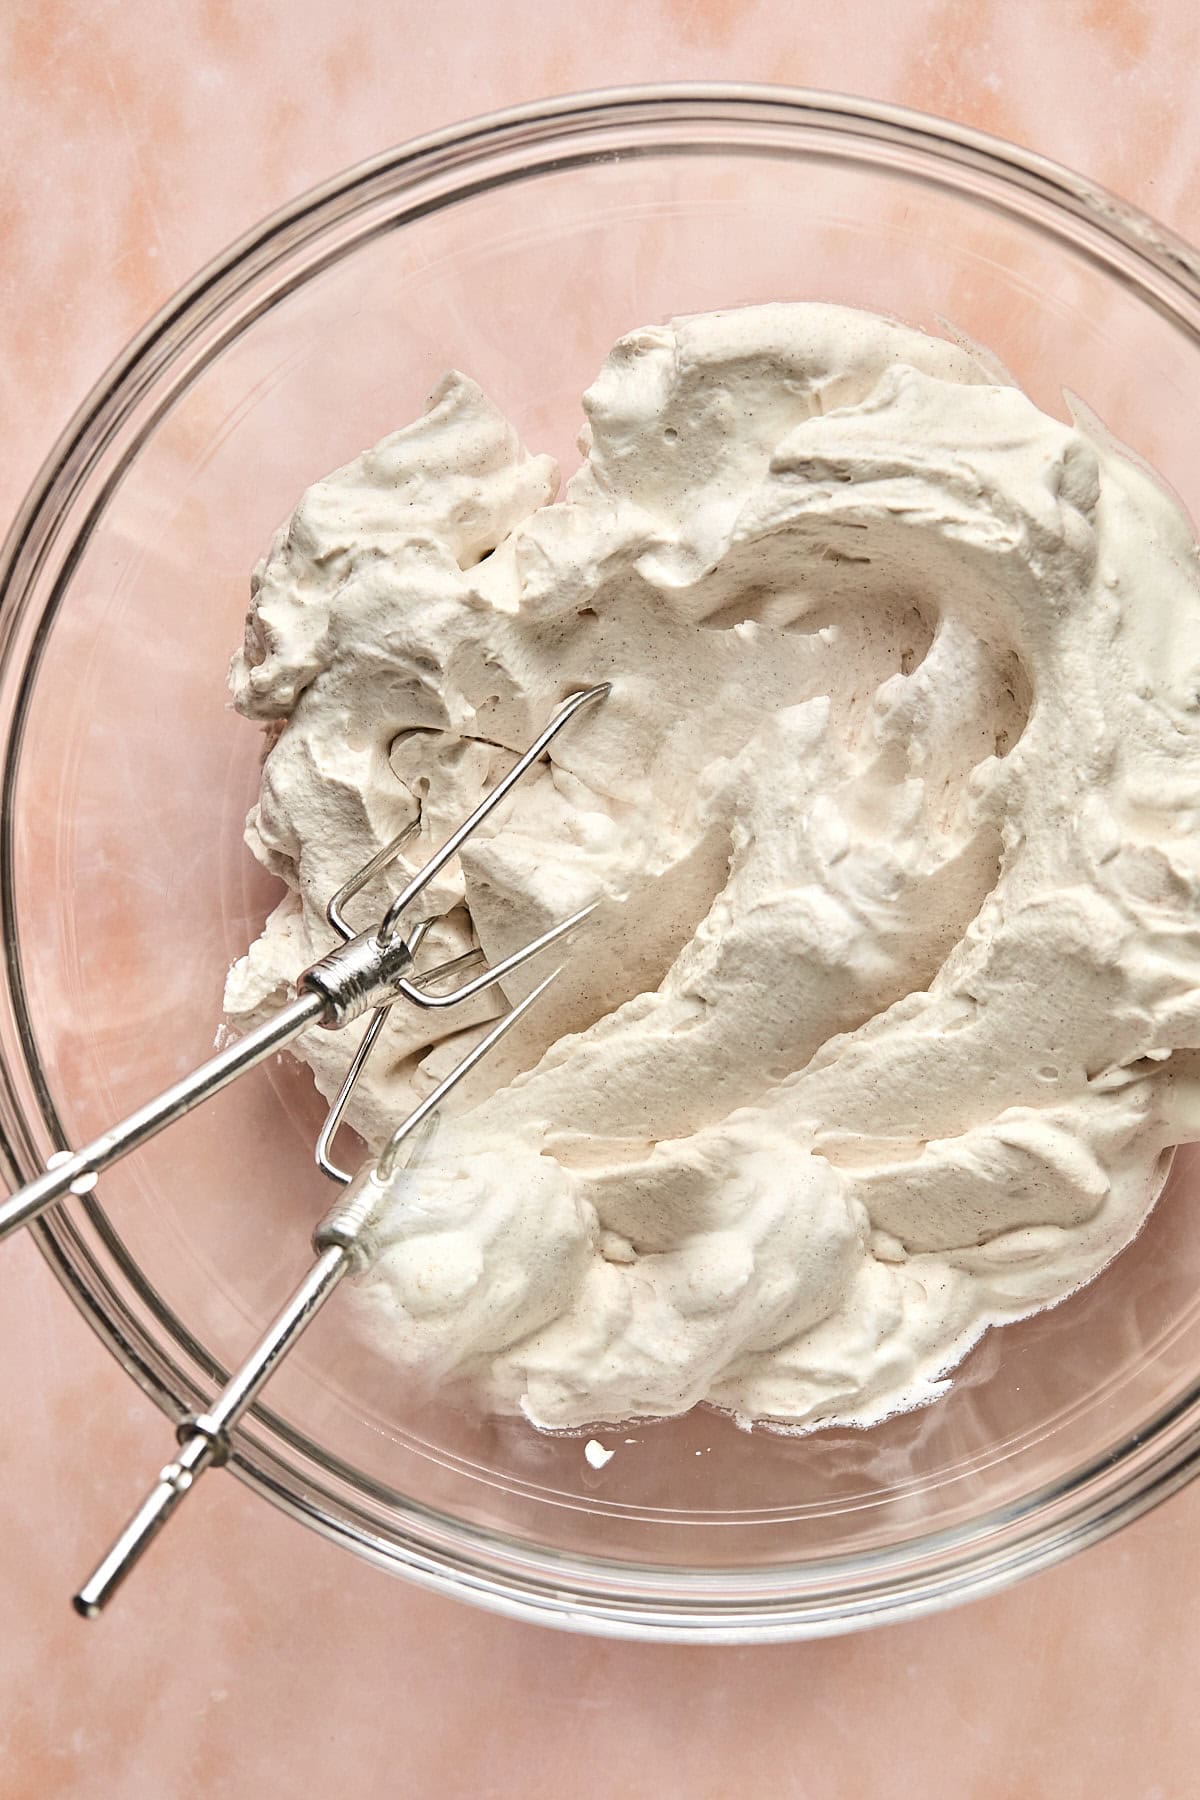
{"points": [[256, 1660]]}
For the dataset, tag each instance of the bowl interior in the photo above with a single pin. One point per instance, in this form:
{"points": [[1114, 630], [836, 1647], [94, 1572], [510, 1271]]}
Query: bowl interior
{"points": [[133, 892]]}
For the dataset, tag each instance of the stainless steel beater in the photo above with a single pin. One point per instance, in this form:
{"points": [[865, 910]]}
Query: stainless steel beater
{"points": [[369, 971]]}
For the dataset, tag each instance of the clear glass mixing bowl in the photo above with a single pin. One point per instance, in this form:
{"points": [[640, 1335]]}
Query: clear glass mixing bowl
{"points": [[517, 248]]}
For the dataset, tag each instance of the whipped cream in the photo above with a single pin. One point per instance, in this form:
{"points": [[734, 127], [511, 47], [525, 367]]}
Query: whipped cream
{"points": [[896, 806]]}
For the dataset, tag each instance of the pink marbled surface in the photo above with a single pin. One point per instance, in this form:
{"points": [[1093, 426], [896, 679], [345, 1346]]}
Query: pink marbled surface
{"points": [[255, 1659]]}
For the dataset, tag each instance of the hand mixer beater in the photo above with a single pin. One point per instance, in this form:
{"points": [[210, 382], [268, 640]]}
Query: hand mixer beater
{"points": [[369, 971]]}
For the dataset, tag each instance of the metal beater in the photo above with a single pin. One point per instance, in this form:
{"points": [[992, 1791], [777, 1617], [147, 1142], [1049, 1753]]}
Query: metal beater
{"points": [[367, 972]]}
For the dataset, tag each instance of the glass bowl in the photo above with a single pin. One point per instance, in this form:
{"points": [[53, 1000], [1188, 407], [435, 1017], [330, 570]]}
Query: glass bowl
{"points": [[517, 248]]}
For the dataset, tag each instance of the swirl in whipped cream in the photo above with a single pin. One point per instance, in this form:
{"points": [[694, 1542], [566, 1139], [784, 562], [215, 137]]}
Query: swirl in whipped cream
{"points": [[896, 801]]}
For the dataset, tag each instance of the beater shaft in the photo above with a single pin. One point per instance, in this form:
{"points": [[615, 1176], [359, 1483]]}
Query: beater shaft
{"points": [[75, 1171], [342, 1241], [202, 1436]]}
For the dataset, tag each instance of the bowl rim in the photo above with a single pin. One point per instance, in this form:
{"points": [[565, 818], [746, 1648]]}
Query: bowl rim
{"points": [[439, 1551]]}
